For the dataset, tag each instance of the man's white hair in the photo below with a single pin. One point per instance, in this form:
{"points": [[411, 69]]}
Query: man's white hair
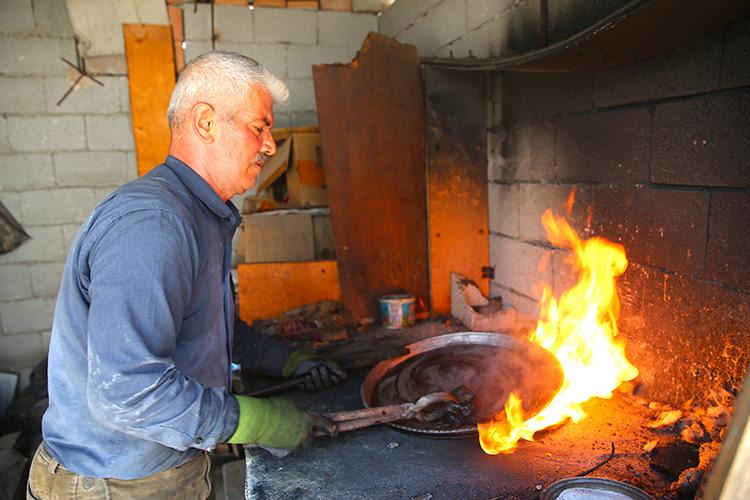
{"points": [[220, 77]]}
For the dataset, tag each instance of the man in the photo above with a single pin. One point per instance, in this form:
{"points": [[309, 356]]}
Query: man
{"points": [[142, 336]]}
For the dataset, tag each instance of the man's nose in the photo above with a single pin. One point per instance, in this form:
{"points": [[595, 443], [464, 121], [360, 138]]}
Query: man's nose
{"points": [[269, 145]]}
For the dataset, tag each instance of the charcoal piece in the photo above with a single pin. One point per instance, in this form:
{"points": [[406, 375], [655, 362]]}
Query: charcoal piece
{"points": [[672, 458]]}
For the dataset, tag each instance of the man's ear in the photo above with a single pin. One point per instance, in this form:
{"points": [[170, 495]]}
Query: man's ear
{"points": [[203, 120]]}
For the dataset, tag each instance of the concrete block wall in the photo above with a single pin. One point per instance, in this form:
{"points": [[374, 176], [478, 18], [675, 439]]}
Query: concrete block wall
{"points": [[657, 154], [287, 41], [488, 28], [56, 163]]}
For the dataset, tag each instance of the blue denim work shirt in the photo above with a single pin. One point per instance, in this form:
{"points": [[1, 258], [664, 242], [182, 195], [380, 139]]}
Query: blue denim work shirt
{"points": [[142, 334]]}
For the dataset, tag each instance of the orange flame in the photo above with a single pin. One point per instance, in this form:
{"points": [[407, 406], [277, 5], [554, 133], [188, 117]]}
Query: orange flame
{"points": [[580, 329]]}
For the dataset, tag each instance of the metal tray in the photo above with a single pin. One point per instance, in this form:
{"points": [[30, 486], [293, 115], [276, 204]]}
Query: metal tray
{"points": [[592, 488], [491, 365]]}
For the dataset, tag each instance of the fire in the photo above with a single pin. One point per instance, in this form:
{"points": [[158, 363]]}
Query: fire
{"points": [[580, 329]]}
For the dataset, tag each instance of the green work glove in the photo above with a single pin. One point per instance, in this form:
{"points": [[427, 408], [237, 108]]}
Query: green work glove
{"points": [[276, 423], [319, 372]]}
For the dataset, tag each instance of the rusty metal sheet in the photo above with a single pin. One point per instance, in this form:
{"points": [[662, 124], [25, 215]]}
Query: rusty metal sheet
{"points": [[371, 118], [456, 122]]}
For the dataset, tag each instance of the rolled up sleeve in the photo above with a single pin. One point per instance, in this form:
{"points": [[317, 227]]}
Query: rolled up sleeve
{"points": [[142, 270]]}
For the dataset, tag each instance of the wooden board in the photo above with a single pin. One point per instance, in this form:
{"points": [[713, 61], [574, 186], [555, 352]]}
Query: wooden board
{"points": [[178, 36], [267, 290], [456, 180], [371, 119], [277, 238], [151, 76], [339, 5]]}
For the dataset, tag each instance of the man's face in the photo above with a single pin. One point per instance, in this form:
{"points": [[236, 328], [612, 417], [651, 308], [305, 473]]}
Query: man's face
{"points": [[246, 141]]}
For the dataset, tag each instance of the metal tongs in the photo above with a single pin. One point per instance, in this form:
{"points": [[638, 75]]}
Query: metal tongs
{"points": [[438, 407]]}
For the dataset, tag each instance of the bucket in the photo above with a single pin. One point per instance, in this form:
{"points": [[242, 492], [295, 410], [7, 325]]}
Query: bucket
{"points": [[397, 311]]}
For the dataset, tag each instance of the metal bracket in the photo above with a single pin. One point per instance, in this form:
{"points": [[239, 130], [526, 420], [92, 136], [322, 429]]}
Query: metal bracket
{"points": [[80, 67]]}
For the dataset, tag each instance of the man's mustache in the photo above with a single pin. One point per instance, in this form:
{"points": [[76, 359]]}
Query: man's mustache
{"points": [[261, 158]]}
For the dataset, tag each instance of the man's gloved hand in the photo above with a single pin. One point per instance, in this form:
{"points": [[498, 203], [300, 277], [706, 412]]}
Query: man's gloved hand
{"points": [[319, 373], [277, 423]]}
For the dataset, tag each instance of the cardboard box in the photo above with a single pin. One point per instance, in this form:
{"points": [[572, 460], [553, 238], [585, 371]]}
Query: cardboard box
{"points": [[286, 236], [305, 179]]}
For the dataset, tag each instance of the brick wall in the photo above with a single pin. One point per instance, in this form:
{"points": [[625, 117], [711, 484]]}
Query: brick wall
{"points": [[287, 41], [658, 153], [56, 162]]}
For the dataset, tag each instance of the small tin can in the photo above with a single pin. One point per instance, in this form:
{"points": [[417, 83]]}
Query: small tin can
{"points": [[397, 311]]}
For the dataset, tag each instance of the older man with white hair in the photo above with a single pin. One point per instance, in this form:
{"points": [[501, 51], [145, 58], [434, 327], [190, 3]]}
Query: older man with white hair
{"points": [[142, 338]]}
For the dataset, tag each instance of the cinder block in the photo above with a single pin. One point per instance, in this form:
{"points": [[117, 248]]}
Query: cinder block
{"points": [[13, 202], [475, 44], [504, 203], [683, 334], [519, 266], [198, 23], [425, 5], [300, 58], [566, 18], [662, 228], [35, 56], [233, 23], [19, 172], [304, 119], [30, 315], [100, 193], [270, 55], [728, 239], [338, 27], [46, 133], [564, 272], [45, 278], [89, 168], [69, 232], [124, 93], [281, 120], [529, 97], [447, 22], [418, 34], [301, 94], [479, 12], [536, 198], [51, 18], [703, 141], [87, 97], [131, 171], [21, 351], [397, 17], [15, 282], [57, 206], [194, 48], [44, 245], [516, 30], [18, 17], [109, 132], [374, 6], [691, 69], [286, 25], [526, 307], [4, 139], [735, 61], [21, 95], [604, 146], [529, 153]]}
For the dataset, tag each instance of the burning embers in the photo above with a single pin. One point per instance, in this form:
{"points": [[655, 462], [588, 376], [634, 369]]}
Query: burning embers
{"points": [[580, 330]]}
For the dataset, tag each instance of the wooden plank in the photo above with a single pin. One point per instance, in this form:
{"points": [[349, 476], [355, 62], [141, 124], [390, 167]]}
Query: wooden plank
{"points": [[270, 3], [456, 180], [302, 4], [338, 5], [151, 76], [371, 119], [267, 290], [268, 237], [178, 36]]}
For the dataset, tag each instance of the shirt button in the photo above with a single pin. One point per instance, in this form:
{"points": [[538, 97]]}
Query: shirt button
{"points": [[88, 482], [199, 440]]}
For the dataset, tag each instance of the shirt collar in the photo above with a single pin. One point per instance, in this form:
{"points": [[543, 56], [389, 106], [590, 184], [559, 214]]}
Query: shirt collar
{"points": [[227, 212]]}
